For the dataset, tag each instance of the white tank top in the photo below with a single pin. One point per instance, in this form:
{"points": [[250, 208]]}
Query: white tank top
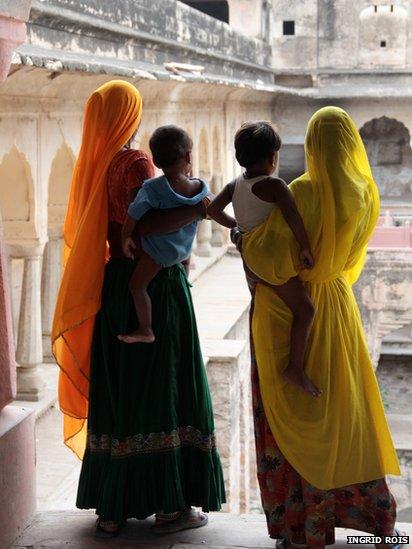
{"points": [[250, 211]]}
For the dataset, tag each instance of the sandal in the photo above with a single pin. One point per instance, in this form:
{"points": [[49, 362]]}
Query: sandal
{"points": [[286, 544], [187, 519], [399, 534], [102, 532]]}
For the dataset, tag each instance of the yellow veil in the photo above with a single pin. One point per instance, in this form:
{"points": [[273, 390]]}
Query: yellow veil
{"points": [[112, 115], [341, 438]]}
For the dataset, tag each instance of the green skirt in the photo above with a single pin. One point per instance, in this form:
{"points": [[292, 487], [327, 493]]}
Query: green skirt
{"points": [[151, 443]]}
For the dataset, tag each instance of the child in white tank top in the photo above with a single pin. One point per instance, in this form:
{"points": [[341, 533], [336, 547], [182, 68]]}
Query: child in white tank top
{"points": [[253, 195]]}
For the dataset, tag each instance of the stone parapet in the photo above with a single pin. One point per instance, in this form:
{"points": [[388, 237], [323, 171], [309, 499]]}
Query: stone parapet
{"points": [[384, 294], [154, 33]]}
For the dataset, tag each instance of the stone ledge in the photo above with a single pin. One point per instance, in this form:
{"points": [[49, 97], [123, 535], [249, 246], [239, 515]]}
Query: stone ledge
{"points": [[74, 529], [223, 350], [17, 472]]}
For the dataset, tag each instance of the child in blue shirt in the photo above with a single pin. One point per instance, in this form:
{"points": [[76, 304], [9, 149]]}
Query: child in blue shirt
{"points": [[171, 149]]}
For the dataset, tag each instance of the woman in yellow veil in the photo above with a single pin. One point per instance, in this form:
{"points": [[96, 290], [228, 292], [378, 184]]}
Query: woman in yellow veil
{"points": [[321, 462]]}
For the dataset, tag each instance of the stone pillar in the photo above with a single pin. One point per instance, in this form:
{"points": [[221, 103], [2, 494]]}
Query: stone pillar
{"points": [[7, 354], [224, 377], [17, 441], [218, 238], [30, 385], [204, 236], [51, 274], [204, 231], [12, 34]]}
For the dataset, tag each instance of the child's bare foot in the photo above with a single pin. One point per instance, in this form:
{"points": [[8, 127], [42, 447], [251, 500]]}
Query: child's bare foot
{"points": [[138, 336], [299, 378]]}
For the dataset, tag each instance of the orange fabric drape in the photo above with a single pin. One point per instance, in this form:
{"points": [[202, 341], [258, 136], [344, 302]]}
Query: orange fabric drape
{"points": [[112, 115]]}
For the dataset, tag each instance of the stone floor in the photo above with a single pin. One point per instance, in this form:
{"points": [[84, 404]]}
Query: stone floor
{"points": [[58, 469], [74, 530]]}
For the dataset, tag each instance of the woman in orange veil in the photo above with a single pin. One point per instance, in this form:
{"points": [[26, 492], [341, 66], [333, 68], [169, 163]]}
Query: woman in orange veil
{"points": [[139, 416]]}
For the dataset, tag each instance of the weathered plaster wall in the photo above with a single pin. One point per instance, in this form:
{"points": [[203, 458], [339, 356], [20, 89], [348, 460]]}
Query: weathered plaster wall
{"points": [[293, 113], [342, 35], [384, 296], [133, 30]]}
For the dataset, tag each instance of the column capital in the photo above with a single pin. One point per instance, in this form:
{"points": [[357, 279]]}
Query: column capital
{"points": [[25, 248], [55, 231]]}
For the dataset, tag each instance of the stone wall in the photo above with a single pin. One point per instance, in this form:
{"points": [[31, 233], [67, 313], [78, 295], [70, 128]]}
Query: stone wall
{"points": [[342, 35], [384, 294], [149, 34]]}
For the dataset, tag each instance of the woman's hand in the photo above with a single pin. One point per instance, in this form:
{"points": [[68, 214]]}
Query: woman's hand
{"points": [[129, 247], [236, 238], [306, 258]]}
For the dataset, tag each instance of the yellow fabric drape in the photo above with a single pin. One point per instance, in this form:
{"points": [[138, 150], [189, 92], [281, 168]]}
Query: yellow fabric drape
{"points": [[112, 115], [341, 438]]}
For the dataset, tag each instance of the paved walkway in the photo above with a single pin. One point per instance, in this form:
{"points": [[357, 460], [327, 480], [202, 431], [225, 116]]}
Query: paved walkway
{"points": [[74, 530]]}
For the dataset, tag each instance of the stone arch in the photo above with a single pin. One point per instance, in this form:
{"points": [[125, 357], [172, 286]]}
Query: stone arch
{"points": [[388, 144], [16, 191], [383, 36], [59, 183]]}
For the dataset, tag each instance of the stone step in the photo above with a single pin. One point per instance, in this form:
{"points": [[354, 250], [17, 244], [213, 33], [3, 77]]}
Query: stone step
{"points": [[74, 530]]}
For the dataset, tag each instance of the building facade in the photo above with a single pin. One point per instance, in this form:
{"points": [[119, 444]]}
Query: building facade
{"points": [[207, 66]]}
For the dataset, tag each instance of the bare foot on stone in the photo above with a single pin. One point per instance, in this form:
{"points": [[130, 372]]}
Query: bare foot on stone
{"points": [[138, 336], [301, 380]]}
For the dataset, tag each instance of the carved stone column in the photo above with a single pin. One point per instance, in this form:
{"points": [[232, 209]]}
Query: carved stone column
{"points": [[29, 355], [51, 274], [218, 238], [204, 237], [12, 34], [7, 353]]}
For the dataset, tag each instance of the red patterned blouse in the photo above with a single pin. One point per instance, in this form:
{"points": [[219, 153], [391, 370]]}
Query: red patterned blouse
{"points": [[127, 172]]}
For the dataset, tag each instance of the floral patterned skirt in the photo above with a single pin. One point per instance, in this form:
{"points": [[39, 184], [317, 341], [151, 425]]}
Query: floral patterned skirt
{"points": [[301, 513]]}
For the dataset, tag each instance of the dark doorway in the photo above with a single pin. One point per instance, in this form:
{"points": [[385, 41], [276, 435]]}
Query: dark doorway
{"points": [[218, 9]]}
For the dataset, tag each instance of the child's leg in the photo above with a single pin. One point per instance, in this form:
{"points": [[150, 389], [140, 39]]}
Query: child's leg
{"points": [[146, 269], [294, 295]]}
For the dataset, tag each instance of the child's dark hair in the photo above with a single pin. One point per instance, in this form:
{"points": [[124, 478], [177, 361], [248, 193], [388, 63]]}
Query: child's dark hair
{"points": [[169, 144], [255, 142]]}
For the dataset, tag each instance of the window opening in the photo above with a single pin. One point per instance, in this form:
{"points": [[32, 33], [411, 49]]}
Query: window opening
{"points": [[288, 28]]}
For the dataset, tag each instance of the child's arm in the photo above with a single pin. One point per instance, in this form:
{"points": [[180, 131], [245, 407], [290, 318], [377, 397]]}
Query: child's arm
{"points": [[216, 208], [276, 190]]}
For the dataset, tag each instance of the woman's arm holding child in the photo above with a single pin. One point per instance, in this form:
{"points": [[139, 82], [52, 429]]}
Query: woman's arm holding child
{"points": [[128, 244], [276, 190], [216, 208]]}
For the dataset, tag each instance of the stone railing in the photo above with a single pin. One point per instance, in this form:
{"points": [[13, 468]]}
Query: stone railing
{"points": [[384, 294]]}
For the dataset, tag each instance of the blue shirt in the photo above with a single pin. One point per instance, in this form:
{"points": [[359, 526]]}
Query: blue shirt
{"points": [[172, 248]]}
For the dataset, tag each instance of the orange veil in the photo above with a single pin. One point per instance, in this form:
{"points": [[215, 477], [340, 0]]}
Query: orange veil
{"points": [[112, 115]]}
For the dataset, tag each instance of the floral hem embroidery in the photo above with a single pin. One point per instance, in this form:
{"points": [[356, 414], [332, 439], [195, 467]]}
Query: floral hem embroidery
{"points": [[153, 442]]}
